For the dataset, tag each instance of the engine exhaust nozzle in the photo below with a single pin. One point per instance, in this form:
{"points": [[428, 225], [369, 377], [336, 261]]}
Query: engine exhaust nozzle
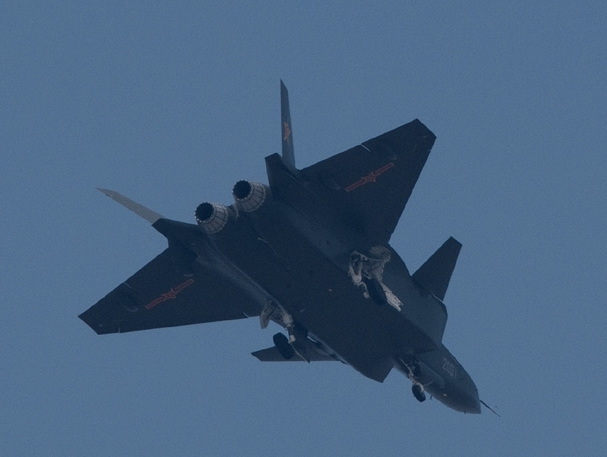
{"points": [[211, 217], [249, 196]]}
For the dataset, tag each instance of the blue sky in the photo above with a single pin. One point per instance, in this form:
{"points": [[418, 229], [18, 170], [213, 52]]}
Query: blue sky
{"points": [[171, 103]]}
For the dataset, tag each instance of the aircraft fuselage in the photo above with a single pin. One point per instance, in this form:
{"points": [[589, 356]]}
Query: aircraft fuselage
{"points": [[294, 260], [309, 251]]}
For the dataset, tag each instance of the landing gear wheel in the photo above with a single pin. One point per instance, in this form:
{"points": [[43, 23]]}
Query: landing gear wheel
{"points": [[418, 392], [282, 344], [376, 291]]}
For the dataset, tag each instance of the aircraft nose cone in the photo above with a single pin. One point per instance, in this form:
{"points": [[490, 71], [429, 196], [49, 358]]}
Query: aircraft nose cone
{"points": [[475, 407], [467, 401], [471, 403]]}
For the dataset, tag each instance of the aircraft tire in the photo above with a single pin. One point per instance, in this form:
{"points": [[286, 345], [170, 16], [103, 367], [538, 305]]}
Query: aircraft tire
{"points": [[376, 291], [418, 392], [282, 344]]}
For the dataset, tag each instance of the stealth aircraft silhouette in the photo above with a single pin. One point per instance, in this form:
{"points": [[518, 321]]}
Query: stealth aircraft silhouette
{"points": [[309, 251]]}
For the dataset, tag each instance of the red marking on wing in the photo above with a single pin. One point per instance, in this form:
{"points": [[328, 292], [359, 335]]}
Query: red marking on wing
{"points": [[371, 177], [287, 131], [170, 295]]}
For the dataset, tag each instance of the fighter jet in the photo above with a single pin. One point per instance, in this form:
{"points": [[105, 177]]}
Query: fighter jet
{"points": [[310, 252]]}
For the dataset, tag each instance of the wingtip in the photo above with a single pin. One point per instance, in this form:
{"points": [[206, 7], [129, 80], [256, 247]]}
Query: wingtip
{"points": [[454, 242], [106, 192]]}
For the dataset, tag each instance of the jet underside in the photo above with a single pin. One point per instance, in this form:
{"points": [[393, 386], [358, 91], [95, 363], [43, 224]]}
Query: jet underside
{"points": [[318, 294], [310, 252]]}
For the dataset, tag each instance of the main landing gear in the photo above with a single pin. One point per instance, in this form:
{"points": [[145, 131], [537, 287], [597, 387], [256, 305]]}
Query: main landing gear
{"points": [[287, 347], [367, 272], [282, 344]]}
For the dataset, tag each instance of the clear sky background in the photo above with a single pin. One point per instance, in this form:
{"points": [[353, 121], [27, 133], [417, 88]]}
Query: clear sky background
{"points": [[170, 103]]}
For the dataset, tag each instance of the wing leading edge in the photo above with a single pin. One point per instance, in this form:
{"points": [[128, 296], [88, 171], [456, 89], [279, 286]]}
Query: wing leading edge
{"points": [[159, 295], [177, 287]]}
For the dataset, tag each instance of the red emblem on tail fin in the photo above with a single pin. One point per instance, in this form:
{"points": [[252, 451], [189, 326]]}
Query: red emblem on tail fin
{"points": [[287, 131]]}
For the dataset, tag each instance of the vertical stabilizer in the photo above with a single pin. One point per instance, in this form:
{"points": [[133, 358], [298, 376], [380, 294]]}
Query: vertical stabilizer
{"points": [[288, 153], [434, 275]]}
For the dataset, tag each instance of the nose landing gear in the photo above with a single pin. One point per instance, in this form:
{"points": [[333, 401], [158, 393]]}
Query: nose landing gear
{"points": [[413, 371]]}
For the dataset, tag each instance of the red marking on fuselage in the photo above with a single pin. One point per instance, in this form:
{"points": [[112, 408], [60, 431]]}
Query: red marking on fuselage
{"points": [[371, 177], [170, 295]]}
